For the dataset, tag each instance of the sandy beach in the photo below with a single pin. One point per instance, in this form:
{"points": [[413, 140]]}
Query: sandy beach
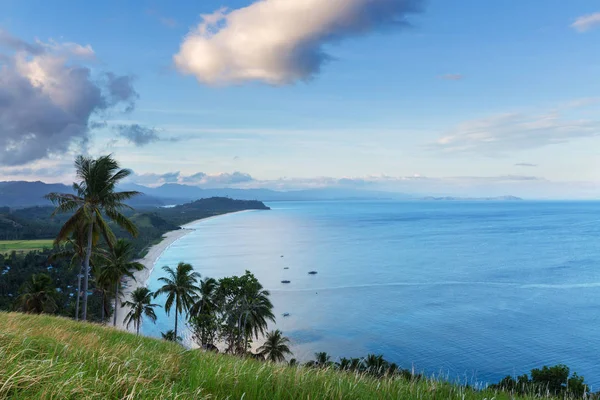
{"points": [[141, 277]]}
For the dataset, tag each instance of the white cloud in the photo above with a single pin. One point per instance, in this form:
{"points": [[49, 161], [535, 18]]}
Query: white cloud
{"points": [[201, 179], [587, 22], [280, 41], [515, 131]]}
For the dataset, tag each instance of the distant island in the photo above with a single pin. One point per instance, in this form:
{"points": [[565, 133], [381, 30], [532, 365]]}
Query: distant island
{"points": [[451, 198]]}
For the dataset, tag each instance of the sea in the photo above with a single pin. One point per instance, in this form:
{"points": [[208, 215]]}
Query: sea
{"points": [[471, 291]]}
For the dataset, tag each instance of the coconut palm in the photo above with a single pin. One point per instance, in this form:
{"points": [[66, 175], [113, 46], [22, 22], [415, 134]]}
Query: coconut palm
{"points": [[275, 347], [139, 306], [205, 303], [203, 314], [169, 336], [117, 263], [180, 288], [37, 295], [95, 197], [74, 248], [255, 310], [322, 359], [375, 364]]}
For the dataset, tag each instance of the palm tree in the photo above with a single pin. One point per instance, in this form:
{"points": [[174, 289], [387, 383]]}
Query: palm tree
{"points": [[255, 312], [203, 313], [275, 347], [206, 298], [74, 249], [37, 295], [140, 305], [322, 359], [180, 288], [375, 364], [95, 196], [169, 336], [118, 264]]}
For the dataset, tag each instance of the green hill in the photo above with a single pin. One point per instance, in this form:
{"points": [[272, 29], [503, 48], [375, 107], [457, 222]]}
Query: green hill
{"points": [[43, 357]]}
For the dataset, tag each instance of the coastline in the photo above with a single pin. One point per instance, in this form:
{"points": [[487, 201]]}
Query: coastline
{"points": [[141, 277]]}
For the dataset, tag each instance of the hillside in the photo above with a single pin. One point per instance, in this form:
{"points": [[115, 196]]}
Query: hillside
{"points": [[36, 223], [48, 357]]}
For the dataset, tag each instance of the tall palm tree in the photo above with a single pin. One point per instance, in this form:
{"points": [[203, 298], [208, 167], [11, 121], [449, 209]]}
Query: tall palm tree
{"points": [[95, 197], [75, 248], [118, 264], [140, 306], [275, 347], [180, 288], [37, 295]]}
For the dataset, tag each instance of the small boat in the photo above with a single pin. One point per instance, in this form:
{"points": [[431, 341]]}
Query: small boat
{"points": [[312, 273], [286, 267], [285, 281], [286, 314]]}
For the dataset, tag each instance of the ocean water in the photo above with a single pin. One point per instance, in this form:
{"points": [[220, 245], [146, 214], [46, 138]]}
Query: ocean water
{"points": [[474, 291]]}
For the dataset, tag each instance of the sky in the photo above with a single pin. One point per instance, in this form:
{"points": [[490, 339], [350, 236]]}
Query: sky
{"points": [[470, 97]]}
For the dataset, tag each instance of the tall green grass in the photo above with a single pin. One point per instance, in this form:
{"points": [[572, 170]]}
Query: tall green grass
{"points": [[43, 357]]}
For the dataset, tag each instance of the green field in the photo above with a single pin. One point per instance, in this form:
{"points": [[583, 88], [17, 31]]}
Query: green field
{"points": [[24, 246], [46, 357]]}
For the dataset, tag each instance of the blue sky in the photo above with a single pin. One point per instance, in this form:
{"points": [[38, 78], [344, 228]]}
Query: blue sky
{"points": [[470, 97]]}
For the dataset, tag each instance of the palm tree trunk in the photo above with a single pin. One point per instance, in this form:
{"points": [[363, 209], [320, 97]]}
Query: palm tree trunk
{"points": [[116, 302], [137, 326], [175, 339], [86, 266], [78, 292], [102, 311]]}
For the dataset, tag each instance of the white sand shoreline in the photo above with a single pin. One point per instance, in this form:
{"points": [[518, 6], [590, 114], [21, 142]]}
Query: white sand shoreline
{"points": [[142, 277]]}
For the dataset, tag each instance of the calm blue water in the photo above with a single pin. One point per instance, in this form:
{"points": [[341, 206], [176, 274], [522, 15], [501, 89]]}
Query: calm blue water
{"points": [[472, 290]]}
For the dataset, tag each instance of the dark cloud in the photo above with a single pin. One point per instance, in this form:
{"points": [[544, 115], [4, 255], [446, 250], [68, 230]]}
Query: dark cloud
{"points": [[14, 43], [46, 101], [137, 134], [120, 89]]}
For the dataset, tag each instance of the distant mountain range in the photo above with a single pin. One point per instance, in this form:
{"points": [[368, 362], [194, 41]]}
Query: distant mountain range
{"points": [[20, 194], [450, 198]]}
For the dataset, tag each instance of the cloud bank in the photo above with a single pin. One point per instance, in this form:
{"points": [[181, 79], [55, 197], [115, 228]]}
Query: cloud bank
{"points": [[47, 97], [281, 41], [503, 133], [198, 179], [587, 22]]}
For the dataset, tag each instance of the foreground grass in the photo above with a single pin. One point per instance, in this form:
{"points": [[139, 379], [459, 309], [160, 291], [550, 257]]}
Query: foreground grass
{"points": [[45, 357], [24, 246]]}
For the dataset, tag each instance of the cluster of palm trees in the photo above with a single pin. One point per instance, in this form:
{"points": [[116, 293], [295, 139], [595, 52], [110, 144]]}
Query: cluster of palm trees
{"points": [[233, 310]]}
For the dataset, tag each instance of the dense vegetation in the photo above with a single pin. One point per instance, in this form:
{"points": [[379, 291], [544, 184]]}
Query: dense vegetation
{"points": [[45, 357]]}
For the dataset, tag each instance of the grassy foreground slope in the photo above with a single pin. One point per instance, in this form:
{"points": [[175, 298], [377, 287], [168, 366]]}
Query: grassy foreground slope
{"points": [[43, 357]]}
